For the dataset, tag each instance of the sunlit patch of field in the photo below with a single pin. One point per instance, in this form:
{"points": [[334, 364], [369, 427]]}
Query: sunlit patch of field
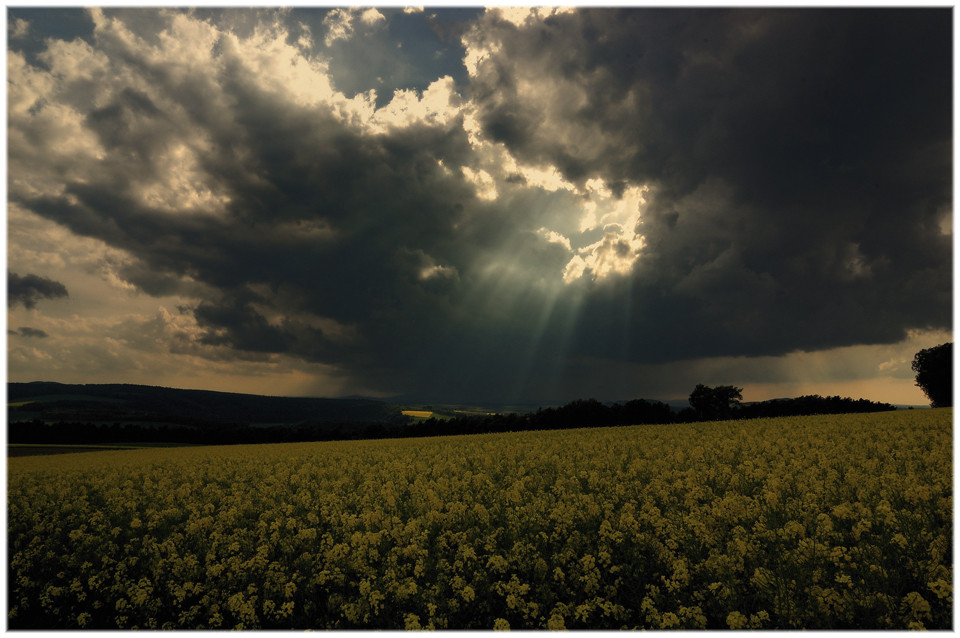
{"points": [[445, 413], [822, 522], [418, 414]]}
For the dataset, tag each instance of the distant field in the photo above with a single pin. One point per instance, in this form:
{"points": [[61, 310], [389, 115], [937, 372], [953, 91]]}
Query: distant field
{"points": [[31, 408], [445, 413], [28, 449], [51, 398], [824, 522], [418, 414], [37, 450]]}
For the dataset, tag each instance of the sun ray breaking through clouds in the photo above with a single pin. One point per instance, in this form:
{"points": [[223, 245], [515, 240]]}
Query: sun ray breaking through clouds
{"points": [[500, 205]]}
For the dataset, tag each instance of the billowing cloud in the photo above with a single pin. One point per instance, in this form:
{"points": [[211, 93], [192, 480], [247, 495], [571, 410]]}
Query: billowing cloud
{"points": [[18, 28], [30, 289], [342, 23], [784, 182], [584, 188]]}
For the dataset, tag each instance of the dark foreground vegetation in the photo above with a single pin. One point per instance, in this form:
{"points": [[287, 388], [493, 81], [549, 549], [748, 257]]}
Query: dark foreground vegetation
{"points": [[707, 404]]}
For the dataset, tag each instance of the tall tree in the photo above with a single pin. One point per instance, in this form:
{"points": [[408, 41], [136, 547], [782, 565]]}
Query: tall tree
{"points": [[934, 368], [715, 403]]}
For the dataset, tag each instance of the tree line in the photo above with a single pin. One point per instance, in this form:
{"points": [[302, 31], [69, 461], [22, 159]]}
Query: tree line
{"points": [[706, 404], [933, 368]]}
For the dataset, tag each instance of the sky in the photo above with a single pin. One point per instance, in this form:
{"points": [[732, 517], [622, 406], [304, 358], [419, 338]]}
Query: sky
{"points": [[493, 206]]}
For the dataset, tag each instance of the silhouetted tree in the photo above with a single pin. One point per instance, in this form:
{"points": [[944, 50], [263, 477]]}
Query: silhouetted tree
{"points": [[934, 368], [715, 403], [639, 411]]}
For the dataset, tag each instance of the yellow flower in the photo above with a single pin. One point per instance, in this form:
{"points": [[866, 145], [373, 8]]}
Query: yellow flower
{"points": [[916, 604], [556, 623], [736, 620], [411, 622], [941, 588], [669, 620]]}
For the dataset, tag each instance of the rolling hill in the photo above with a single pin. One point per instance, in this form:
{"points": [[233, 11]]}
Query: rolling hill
{"points": [[143, 404]]}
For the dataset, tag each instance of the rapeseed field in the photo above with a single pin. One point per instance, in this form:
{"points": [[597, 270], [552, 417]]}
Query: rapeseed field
{"points": [[824, 522]]}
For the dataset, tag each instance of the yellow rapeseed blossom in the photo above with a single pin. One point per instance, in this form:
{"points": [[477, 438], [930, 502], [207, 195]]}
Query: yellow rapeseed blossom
{"points": [[736, 620], [807, 523]]}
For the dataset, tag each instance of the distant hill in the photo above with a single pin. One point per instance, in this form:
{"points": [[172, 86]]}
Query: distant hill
{"points": [[143, 404], [57, 413]]}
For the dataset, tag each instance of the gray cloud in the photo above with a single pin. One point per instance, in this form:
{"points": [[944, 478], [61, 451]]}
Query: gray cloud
{"points": [[325, 231], [798, 164], [26, 331], [30, 289]]}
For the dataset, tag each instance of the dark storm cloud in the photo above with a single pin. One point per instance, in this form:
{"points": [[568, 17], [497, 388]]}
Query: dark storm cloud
{"points": [[30, 289], [799, 164], [27, 331], [326, 231]]}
